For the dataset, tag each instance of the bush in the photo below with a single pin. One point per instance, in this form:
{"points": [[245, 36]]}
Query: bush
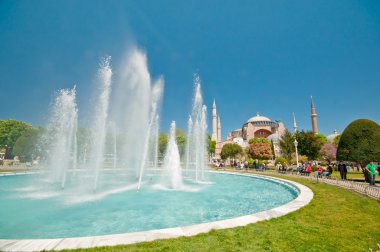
{"points": [[282, 161], [323, 164], [360, 142], [259, 150], [301, 159], [250, 161], [258, 140]]}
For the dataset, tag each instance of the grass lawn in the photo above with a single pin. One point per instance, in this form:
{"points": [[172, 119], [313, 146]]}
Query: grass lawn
{"points": [[335, 220]]}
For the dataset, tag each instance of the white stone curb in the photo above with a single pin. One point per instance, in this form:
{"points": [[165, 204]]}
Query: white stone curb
{"points": [[304, 197]]}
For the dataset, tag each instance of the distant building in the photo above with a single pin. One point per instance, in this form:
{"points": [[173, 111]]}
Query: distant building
{"points": [[256, 126], [261, 127]]}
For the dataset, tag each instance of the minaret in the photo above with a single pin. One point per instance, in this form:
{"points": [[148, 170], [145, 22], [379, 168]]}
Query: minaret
{"points": [[313, 116], [294, 123], [219, 131], [214, 136]]}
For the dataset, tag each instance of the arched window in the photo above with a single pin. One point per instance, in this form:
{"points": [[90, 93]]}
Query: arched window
{"points": [[263, 133]]}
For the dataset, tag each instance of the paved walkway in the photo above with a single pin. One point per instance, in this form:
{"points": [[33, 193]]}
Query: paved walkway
{"points": [[360, 187]]}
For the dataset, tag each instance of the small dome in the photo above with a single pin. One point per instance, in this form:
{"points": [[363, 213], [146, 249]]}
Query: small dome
{"points": [[258, 118], [275, 137], [330, 138], [240, 141]]}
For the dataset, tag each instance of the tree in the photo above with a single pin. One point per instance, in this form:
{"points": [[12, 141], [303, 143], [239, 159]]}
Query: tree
{"points": [[286, 143], [336, 140], [211, 145], [328, 152], [162, 143], [28, 144], [257, 150], [360, 142], [301, 159], [272, 148], [85, 143], [180, 139], [321, 138], [309, 144], [230, 151], [10, 131]]}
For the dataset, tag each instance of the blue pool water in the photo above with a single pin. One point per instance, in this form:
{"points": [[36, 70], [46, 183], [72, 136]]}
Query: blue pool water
{"points": [[29, 209]]}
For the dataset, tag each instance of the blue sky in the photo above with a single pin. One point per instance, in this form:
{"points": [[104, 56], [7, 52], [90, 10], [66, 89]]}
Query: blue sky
{"points": [[264, 56]]}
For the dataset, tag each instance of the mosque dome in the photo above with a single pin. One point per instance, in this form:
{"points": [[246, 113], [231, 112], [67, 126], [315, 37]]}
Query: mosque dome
{"points": [[258, 118], [330, 138]]}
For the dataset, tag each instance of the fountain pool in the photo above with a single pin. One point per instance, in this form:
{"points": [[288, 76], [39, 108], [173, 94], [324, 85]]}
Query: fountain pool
{"points": [[63, 213]]}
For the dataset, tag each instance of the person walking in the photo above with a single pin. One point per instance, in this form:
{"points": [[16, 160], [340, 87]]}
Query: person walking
{"points": [[342, 168], [371, 168]]}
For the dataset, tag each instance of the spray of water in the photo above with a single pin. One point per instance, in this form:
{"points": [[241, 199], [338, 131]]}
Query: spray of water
{"points": [[114, 147], [61, 135], [134, 90], [172, 163], [136, 118], [189, 144], [151, 135], [100, 119], [196, 159]]}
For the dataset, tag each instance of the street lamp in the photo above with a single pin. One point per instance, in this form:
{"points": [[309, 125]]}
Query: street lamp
{"points": [[296, 145]]}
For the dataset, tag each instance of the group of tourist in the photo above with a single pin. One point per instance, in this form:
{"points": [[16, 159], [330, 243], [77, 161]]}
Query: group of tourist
{"points": [[307, 168], [369, 171], [304, 169], [241, 165]]}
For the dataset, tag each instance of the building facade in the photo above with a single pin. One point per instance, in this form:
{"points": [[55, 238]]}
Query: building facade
{"points": [[256, 126]]}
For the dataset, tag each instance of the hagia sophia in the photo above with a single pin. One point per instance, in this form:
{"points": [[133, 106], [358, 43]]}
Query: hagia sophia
{"points": [[258, 126]]}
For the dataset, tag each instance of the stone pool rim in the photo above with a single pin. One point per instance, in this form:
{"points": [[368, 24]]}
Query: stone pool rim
{"points": [[305, 195]]}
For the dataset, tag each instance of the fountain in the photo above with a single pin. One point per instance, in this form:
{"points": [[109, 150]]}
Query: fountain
{"points": [[196, 155], [61, 136], [114, 157], [133, 111], [189, 143], [99, 201], [100, 119], [140, 150], [151, 137], [172, 163]]}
